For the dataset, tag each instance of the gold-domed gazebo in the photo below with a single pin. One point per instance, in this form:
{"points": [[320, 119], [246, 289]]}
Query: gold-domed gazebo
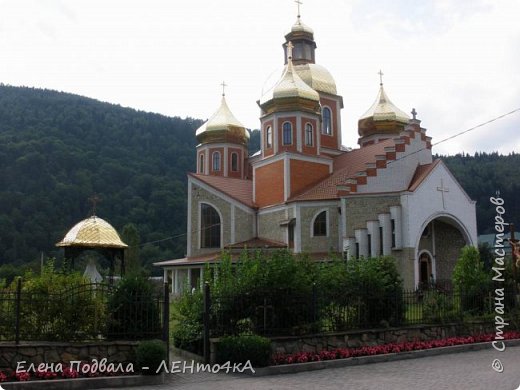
{"points": [[96, 234]]}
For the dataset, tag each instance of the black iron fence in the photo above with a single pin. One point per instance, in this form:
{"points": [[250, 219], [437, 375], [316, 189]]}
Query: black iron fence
{"points": [[282, 312], [84, 312]]}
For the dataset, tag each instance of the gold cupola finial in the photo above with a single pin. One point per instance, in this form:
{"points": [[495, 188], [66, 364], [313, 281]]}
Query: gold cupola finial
{"points": [[224, 85], [298, 3], [381, 74]]}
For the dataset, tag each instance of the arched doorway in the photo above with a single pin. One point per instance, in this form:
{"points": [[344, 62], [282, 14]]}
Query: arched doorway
{"points": [[425, 270]]}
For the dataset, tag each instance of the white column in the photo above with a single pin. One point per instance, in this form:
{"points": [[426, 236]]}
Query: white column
{"points": [[362, 239], [176, 282], [351, 243], [201, 280], [384, 221], [189, 279], [373, 230], [395, 212]]}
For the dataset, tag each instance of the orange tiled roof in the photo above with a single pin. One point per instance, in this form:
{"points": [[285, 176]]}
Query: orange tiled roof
{"points": [[422, 173], [238, 189], [345, 167]]}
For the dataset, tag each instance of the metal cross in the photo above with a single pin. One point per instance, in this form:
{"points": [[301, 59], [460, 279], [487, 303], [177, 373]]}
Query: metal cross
{"points": [[289, 50], [94, 199], [299, 2], [443, 189], [380, 73], [224, 85], [414, 113]]}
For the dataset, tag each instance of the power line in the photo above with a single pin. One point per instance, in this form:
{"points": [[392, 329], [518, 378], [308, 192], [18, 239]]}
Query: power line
{"points": [[458, 134]]}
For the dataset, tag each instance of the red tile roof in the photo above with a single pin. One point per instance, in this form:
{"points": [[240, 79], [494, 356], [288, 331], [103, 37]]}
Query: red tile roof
{"points": [[422, 173], [345, 167], [238, 189]]}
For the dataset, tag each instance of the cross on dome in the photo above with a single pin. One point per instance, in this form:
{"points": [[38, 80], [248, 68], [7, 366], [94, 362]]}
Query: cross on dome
{"points": [[290, 46], [380, 73], [94, 199], [298, 3], [224, 85]]}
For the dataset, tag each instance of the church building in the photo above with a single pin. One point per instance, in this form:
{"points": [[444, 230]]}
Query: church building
{"points": [[305, 191]]}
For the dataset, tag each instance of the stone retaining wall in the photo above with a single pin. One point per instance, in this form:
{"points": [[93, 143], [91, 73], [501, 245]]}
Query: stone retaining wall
{"points": [[50, 352], [373, 337]]}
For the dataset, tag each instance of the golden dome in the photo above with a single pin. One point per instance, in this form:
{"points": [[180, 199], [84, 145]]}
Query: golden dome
{"points": [[317, 77], [301, 27], [92, 232], [222, 127], [290, 85], [384, 109]]}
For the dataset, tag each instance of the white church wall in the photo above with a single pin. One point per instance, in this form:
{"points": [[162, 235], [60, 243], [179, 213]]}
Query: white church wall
{"points": [[426, 203]]}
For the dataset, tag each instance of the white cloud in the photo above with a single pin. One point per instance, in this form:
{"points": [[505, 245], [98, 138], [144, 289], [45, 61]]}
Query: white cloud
{"points": [[456, 62]]}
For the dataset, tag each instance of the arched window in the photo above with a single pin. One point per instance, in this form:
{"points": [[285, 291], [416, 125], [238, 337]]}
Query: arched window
{"points": [[287, 133], [327, 121], [319, 227], [216, 161], [268, 137], [209, 227], [201, 163], [308, 135], [234, 162]]}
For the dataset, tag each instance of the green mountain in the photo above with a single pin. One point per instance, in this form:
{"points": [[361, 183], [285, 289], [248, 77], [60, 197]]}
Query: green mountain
{"points": [[58, 149]]}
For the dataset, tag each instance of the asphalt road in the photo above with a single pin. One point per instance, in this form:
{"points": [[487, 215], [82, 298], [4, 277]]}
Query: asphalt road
{"points": [[458, 371]]}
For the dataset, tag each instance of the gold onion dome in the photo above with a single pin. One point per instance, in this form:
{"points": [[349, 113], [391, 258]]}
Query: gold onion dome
{"points": [[317, 77], [301, 27], [289, 87], [92, 232], [222, 127], [383, 116]]}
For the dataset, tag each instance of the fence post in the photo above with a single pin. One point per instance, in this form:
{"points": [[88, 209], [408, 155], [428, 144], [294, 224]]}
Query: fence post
{"points": [[314, 303], [206, 319], [166, 321], [18, 304]]}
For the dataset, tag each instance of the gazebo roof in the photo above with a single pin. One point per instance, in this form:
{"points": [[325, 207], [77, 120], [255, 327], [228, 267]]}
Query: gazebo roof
{"points": [[92, 232]]}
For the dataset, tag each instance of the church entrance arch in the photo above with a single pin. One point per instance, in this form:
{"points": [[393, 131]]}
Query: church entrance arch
{"points": [[438, 246]]}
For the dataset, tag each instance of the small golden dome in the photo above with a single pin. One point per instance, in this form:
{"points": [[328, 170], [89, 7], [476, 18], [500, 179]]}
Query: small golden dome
{"points": [[222, 127], [384, 109], [301, 27], [92, 232]]}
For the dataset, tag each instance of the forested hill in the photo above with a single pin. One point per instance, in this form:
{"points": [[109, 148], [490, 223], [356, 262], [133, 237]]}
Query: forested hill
{"points": [[482, 175], [58, 149]]}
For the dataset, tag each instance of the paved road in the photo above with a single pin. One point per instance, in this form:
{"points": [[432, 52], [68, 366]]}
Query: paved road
{"points": [[459, 371]]}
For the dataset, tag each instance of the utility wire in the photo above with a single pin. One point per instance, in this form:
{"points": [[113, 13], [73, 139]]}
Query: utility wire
{"points": [[389, 162]]}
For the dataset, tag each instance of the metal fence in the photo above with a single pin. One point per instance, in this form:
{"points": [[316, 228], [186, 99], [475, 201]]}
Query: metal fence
{"points": [[282, 312], [84, 312]]}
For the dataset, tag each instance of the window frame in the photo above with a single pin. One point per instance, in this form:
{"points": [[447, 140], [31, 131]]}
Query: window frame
{"points": [[234, 164], [216, 163], [287, 128], [211, 238], [268, 137], [309, 135], [324, 129], [325, 222]]}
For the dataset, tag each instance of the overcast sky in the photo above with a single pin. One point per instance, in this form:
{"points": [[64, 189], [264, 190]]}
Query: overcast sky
{"points": [[456, 61]]}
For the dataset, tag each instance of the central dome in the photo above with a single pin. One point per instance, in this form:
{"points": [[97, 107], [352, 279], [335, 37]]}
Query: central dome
{"points": [[317, 77]]}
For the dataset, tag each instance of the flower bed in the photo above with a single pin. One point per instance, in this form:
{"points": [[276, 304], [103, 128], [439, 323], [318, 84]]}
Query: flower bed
{"points": [[86, 370], [342, 353]]}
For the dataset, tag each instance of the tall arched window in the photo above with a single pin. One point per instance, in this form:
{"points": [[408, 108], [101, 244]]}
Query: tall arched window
{"points": [[287, 133], [327, 121], [209, 227], [319, 227], [234, 162], [308, 135], [268, 137], [201, 163], [216, 161]]}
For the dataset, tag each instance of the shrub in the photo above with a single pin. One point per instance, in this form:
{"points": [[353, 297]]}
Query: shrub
{"points": [[150, 354], [239, 349], [471, 281], [439, 307], [134, 310], [187, 332]]}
